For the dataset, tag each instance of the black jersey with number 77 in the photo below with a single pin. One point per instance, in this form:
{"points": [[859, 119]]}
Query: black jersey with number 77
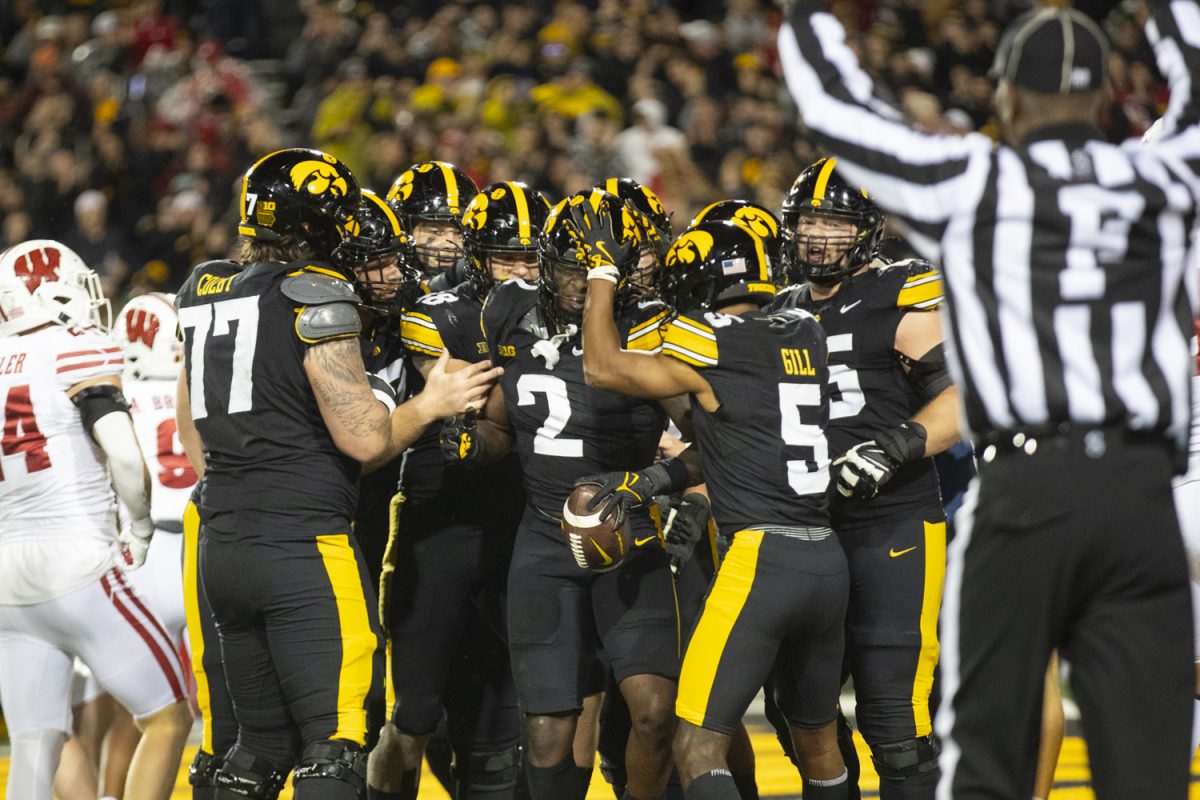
{"points": [[270, 457]]}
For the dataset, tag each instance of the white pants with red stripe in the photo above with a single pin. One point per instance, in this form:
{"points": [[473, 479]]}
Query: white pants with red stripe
{"points": [[109, 627], [160, 582]]}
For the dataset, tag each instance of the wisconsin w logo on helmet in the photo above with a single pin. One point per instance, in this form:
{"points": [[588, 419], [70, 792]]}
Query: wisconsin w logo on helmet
{"points": [[141, 326], [37, 265], [318, 178]]}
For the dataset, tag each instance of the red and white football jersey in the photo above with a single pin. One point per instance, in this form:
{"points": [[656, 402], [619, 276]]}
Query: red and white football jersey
{"points": [[57, 507], [152, 404]]}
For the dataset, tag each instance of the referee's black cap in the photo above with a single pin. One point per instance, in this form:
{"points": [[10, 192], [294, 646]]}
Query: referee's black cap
{"points": [[1053, 51]]}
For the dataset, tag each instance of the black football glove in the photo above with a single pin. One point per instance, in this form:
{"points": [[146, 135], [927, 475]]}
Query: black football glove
{"points": [[602, 247], [867, 466], [459, 438], [686, 526], [621, 491]]}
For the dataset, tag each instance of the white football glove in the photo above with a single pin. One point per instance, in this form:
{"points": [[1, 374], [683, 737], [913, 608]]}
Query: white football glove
{"points": [[862, 470], [133, 542], [867, 466]]}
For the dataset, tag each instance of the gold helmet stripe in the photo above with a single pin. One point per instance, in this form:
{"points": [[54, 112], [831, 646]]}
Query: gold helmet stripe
{"points": [[397, 228], [764, 265], [451, 187], [823, 180], [246, 183], [523, 222], [704, 213], [610, 186]]}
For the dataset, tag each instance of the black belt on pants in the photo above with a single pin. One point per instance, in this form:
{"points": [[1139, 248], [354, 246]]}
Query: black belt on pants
{"points": [[1093, 441]]}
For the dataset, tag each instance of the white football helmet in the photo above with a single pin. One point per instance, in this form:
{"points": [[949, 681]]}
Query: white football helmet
{"points": [[20, 311], [146, 330], [59, 280]]}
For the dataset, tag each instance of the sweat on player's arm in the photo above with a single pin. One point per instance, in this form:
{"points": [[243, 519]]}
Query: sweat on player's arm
{"points": [[105, 416]]}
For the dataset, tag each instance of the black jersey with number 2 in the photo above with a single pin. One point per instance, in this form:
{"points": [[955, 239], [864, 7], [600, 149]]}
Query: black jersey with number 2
{"points": [[564, 428]]}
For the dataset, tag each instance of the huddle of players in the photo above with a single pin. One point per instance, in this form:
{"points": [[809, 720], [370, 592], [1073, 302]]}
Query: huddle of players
{"points": [[834, 376]]}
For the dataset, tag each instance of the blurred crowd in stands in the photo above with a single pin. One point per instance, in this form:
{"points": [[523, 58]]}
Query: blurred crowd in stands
{"points": [[124, 126]]}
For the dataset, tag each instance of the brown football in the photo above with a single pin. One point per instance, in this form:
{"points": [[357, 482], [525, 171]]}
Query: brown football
{"points": [[595, 544]]}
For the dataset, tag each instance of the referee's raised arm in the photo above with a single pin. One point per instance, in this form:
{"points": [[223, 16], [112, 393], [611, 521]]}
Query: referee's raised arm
{"points": [[1065, 260]]}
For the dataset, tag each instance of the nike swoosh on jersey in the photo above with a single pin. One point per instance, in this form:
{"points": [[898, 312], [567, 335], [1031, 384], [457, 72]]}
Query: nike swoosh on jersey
{"points": [[640, 542], [894, 553], [849, 306]]}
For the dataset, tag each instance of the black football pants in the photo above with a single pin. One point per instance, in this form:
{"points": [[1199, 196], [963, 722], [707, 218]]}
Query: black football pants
{"points": [[1076, 546], [299, 637]]}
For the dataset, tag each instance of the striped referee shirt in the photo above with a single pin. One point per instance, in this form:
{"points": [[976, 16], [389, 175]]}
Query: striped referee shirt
{"points": [[1064, 257]]}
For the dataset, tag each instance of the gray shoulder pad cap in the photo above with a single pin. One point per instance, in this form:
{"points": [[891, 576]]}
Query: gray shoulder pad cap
{"points": [[334, 320], [314, 289]]}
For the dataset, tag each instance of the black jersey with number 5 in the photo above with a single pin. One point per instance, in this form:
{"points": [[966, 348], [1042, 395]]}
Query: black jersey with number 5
{"points": [[270, 456], [764, 453], [564, 428], [870, 391]]}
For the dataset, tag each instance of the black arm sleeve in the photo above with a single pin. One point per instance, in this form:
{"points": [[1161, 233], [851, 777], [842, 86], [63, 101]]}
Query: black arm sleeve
{"points": [[928, 374], [98, 401]]}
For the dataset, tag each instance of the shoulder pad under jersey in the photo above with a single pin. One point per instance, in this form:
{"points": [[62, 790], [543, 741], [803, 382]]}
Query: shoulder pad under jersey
{"points": [[692, 339], [919, 284], [317, 288], [330, 306]]}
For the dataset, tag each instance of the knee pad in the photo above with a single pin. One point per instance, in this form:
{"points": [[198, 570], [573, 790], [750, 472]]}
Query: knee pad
{"points": [[243, 774], [417, 716], [203, 771], [337, 760], [489, 770], [906, 759]]}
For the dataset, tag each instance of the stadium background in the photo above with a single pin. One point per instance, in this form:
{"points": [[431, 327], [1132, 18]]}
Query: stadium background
{"points": [[124, 126]]}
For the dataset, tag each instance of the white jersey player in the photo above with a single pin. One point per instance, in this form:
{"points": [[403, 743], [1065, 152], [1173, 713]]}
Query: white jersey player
{"points": [[67, 443], [146, 331]]}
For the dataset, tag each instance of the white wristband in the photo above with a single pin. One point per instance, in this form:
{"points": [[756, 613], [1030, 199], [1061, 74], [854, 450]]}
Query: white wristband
{"points": [[605, 272]]}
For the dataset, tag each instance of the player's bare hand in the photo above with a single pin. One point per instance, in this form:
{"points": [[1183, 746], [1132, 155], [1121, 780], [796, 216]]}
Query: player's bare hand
{"points": [[447, 394]]}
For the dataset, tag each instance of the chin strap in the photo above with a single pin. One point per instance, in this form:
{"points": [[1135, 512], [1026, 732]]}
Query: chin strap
{"points": [[548, 348]]}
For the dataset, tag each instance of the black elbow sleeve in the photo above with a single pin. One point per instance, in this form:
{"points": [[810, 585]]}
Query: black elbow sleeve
{"points": [[97, 401], [928, 374]]}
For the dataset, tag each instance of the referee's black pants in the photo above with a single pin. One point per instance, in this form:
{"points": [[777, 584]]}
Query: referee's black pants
{"points": [[1075, 546]]}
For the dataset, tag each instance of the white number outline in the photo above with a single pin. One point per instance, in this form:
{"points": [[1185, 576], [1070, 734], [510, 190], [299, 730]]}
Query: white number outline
{"points": [[850, 398], [803, 478], [214, 319], [546, 441]]}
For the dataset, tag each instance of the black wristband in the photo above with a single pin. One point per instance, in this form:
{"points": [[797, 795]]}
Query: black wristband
{"points": [[904, 443], [667, 477]]}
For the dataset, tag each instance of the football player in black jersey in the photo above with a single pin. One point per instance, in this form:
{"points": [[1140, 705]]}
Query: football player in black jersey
{"points": [[429, 198], [893, 408], [275, 386], [454, 540], [565, 430], [760, 400]]}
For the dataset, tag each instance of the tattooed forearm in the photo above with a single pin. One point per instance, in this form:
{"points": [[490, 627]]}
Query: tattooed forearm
{"points": [[358, 423]]}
